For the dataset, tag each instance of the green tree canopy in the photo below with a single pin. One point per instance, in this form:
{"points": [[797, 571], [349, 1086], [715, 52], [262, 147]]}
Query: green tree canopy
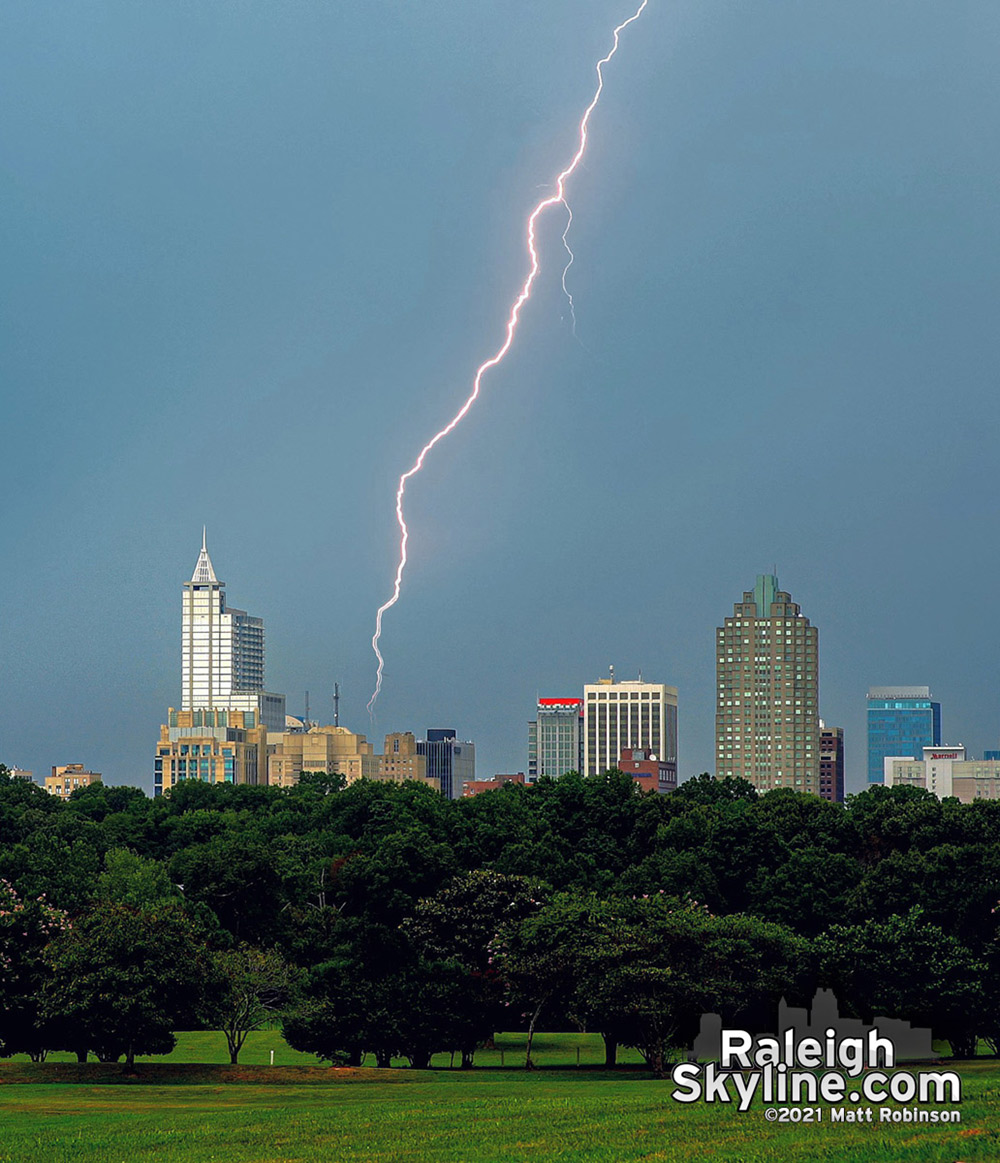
{"points": [[124, 978]]}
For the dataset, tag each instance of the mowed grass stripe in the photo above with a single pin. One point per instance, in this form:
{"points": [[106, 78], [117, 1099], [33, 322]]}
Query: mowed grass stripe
{"points": [[448, 1116]]}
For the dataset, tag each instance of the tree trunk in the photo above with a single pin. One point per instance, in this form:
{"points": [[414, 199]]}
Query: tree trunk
{"points": [[383, 1059], [81, 1055], [467, 1056], [129, 1060], [528, 1064], [965, 1046], [234, 1056], [659, 1067], [354, 1058], [610, 1051], [420, 1059]]}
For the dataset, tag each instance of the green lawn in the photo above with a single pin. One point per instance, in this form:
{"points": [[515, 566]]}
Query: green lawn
{"points": [[549, 1050], [447, 1116]]}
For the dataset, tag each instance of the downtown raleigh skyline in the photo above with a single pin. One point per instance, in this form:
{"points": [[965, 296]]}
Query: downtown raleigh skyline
{"points": [[769, 731]]}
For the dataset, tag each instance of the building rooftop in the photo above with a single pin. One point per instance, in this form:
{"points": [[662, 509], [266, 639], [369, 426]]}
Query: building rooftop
{"points": [[899, 692], [204, 574]]}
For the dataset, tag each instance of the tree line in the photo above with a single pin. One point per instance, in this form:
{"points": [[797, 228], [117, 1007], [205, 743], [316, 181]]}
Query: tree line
{"points": [[381, 919]]}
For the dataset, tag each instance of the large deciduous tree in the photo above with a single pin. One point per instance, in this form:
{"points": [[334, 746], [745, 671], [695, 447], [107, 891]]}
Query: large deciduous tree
{"points": [[124, 978], [905, 968], [456, 926], [26, 928]]}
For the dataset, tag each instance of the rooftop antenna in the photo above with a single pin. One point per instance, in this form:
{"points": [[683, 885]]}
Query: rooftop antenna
{"points": [[611, 669], [307, 710], [336, 704], [640, 674]]}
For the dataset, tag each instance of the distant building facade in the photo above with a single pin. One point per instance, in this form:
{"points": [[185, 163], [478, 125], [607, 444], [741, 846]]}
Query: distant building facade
{"points": [[901, 721], [401, 761], [648, 771], [211, 746], [326, 749], [555, 738], [66, 779], [767, 700], [946, 771], [831, 763], [629, 713], [450, 761], [476, 787], [336, 750]]}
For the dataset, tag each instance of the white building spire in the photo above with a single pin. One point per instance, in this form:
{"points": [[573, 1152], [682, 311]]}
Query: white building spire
{"points": [[204, 574]]}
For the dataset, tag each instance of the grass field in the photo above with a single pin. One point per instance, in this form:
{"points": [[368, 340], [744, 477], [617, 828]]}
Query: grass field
{"points": [[443, 1116], [549, 1050]]}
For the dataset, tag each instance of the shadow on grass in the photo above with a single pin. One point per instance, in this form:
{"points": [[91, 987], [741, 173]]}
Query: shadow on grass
{"points": [[192, 1073], [202, 1074]]}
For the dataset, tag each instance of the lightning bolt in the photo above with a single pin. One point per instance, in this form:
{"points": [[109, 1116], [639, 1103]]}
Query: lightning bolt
{"points": [[554, 199], [565, 242]]}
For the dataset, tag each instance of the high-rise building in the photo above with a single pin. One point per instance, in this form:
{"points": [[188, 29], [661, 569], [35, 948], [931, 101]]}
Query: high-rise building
{"points": [[450, 761], [219, 735], [767, 698], [831, 763], [555, 738], [902, 720], [222, 652], [632, 713]]}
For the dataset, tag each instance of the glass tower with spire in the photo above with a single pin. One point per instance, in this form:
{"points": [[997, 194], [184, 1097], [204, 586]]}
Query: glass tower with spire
{"points": [[222, 651]]}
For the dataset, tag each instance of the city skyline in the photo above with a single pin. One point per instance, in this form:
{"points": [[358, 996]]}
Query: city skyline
{"points": [[242, 284], [238, 659], [205, 606]]}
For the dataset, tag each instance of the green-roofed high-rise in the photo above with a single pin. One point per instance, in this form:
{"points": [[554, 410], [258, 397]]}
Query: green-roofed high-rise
{"points": [[767, 697]]}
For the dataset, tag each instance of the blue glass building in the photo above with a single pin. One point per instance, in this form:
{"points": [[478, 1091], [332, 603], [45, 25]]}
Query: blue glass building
{"points": [[901, 720], [449, 760]]}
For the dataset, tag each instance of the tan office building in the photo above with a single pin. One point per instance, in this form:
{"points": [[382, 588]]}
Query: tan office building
{"points": [[631, 713], [213, 746], [327, 749], [336, 749], [767, 698], [401, 762], [65, 780]]}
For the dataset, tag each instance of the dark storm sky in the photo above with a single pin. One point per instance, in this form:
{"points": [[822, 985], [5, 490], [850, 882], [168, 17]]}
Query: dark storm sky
{"points": [[253, 253]]}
